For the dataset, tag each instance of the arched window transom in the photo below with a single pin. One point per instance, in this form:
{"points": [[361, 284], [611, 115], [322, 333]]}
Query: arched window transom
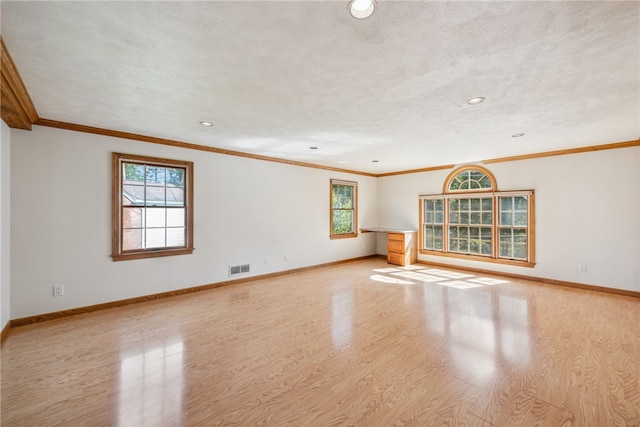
{"points": [[470, 178]]}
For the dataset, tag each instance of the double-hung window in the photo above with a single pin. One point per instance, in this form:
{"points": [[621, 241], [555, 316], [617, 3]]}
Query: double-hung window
{"points": [[343, 214], [152, 207], [471, 219]]}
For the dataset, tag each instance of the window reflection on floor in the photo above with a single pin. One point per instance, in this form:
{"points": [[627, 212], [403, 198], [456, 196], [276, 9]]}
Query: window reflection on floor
{"points": [[490, 327], [151, 386]]}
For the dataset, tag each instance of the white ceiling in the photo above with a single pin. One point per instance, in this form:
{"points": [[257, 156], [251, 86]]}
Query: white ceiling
{"points": [[276, 78]]}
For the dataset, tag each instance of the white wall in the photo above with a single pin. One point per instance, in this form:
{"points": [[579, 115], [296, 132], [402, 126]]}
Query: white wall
{"points": [[245, 210], [5, 224], [587, 211]]}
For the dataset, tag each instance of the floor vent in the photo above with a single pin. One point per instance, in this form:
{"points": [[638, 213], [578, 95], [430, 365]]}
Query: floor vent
{"points": [[239, 269]]}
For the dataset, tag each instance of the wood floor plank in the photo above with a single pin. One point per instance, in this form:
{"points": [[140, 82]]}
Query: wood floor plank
{"points": [[357, 344]]}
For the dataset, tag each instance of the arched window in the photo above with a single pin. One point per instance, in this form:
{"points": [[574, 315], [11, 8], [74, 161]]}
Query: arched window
{"points": [[472, 219], [470, 178]]}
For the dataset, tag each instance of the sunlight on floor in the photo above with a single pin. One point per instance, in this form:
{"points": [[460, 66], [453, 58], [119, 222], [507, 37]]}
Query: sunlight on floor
{"points": [[441, 277]]}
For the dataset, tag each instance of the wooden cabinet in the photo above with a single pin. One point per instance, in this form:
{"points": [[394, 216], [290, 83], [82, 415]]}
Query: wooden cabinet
{"points": [[401, 248]]}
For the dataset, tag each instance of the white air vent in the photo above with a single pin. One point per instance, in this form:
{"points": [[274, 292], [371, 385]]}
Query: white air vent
{"points": [[239, 269]]}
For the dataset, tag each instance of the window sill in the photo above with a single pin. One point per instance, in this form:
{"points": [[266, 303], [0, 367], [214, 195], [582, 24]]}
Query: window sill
{"points": [[343, 236], [151, 254], [516, 263]]}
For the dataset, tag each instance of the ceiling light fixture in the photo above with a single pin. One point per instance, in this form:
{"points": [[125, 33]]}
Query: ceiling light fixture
{"points": [[475, 101], [207, 124], [517, 135], [375, 161], [361, 9], [313, 148]]}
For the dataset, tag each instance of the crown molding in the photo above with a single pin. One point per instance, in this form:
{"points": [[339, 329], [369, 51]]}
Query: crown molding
{"points": [[17, 108], [187, 145], [588, 149]]}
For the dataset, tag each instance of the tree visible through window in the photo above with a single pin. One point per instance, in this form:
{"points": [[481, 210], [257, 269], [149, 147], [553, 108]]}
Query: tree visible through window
{"points": [[152, 207], [471, 216], [343, 216]]}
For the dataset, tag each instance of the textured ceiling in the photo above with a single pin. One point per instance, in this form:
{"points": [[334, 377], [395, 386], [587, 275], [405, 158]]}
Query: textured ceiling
{"points": [[276, 78]]}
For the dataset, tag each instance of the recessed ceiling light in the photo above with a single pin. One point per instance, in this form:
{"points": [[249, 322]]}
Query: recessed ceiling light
{"points": [[203, 123], [361, 9], [517, 135], [475, 101]]}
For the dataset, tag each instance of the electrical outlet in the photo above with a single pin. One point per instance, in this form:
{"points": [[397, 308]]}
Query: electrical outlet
{"points": [[58, 290], [267, 260], [286, 257], [582, 268]]}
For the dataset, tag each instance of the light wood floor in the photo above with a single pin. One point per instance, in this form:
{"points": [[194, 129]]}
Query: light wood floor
{"points": [[362, 344]]}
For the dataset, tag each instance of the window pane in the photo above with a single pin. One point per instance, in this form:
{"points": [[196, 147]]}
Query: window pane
{"points": [[463, 232], [506, 203], [464, 217], [486, 233], [175, 236], [453, 245], [486, 248], [463, 246], [520, 251], [133, 172], [454, 217], [175, 177], [133, 195], [155, 217], [428, 235], [464, 204], [474, 232], [506, 243], [475, 204], [454, 205], [155, 196], [131, 217], [175, 217], [342, 196], [486, 204], [520, 235], [428, 218], [428, 204], [475, 175], [475, 218], [520, 218], [155, 175], [155, 237], [487, 218], [132, 239], [521, 203], [342, 221], [175, 196], [506, 218], [485, 182], [453, 232], [437, 244], [439, 218], [439, 205]]}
